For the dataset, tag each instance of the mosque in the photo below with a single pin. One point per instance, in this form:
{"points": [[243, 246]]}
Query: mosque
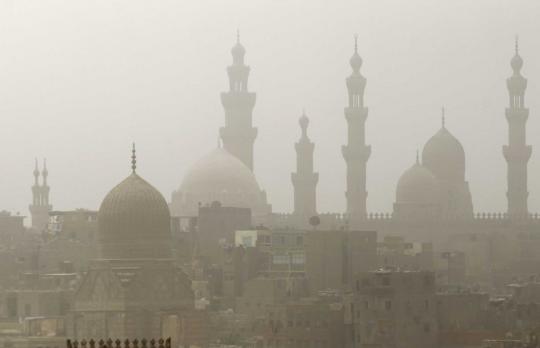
{"points": [[432, 196]]}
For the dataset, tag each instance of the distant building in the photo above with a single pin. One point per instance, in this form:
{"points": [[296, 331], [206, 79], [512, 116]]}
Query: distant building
{"points": [[134, 285], [40, 207], [395, 309], [334, 258]]}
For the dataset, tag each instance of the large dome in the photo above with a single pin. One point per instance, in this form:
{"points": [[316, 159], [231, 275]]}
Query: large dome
{"points": [[134, 221], [444, 156], [218, 176], [417, 185]]}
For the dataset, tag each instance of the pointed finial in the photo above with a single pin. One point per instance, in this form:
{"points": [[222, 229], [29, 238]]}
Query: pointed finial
{"points": [[417, 156], [36, 169], [517, 44], [133, 158], [238, 36], [443, 117], [356, 43], [219, 142], [304, 123]]}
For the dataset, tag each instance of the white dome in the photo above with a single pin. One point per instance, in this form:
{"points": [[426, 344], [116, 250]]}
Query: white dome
{"points": [[417, 185], [444, 156], [218, 176]]}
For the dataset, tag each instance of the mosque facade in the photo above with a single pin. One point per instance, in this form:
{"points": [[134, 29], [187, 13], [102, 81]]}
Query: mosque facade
{"points": [[134, 285], [432, 196]]}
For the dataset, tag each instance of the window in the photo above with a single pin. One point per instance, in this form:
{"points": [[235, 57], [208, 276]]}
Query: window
{"points": [[388, 305], [427, 328], [386, 281], [27, 309], [299, 240], [298, 259]]}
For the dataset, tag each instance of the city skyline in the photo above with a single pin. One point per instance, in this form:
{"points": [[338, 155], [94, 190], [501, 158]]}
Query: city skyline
{"points": [[164, 161]]}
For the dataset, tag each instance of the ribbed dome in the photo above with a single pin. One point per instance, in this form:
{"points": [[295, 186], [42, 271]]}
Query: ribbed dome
{"points": [[238, 50], [219, 176], [516, 63], [444, 156], [356, 62], [134, 221], [417, 185]]}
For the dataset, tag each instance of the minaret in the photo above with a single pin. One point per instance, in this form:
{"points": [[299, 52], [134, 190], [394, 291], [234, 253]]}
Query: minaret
{"points": [[356, 152], [517, 152], [40, 207], [238, 134], [305, 179]]}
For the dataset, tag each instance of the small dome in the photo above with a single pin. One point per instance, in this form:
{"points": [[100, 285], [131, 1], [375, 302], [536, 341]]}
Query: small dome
{"points": [[238, 51], [356, 62], [134, 221], [304, 122], [417, 185], [516, 62], [444, 156], [219, 176]]}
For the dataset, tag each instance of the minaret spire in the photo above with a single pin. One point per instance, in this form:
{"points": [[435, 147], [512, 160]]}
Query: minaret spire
{"points": [[356, 153], [40, 207], [133, 158], [517, 152], [305, 179], [443, 117], [238, 134]]}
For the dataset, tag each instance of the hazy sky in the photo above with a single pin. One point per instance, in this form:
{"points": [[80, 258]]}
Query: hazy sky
{"points": [[81, 80]]}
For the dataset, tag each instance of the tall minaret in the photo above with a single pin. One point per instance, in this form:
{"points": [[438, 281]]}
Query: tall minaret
{"points": [[238, 134], [517, 152], [40, 207], [356, 152], [305, 179]]}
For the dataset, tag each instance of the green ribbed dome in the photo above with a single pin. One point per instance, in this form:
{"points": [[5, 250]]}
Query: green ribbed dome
{"points": [[134, 221]]}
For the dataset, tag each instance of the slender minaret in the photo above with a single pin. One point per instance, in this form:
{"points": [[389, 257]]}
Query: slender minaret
{"points": [[356, 152], [238, 134], [305, 179], [40, 207], [517, 152]]}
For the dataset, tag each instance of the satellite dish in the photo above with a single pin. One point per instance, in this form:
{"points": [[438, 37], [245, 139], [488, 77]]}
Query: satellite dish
{"points": [[315, 221]]}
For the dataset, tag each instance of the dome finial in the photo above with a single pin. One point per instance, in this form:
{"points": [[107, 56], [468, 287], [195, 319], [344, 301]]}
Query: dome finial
{"points": [[443, 117], [304, 123], [133, 158]]}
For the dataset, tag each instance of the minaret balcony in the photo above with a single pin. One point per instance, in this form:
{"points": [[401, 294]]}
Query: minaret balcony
{"points": [[235, 134], [356, 114], [515, 154], [519, 115], [361, 153], [238, 100]]}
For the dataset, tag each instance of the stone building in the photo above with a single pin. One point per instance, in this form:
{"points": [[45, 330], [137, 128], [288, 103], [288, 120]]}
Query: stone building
{"points": [[395, 309], [134, 285], [40, 207], [334, 258]]}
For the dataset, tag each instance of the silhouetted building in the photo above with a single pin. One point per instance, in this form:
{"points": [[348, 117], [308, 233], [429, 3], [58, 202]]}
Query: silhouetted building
{"points": [[305, 179], [356, 153], [134, 285], [517, 152], [40, 207], [238, 134]]}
